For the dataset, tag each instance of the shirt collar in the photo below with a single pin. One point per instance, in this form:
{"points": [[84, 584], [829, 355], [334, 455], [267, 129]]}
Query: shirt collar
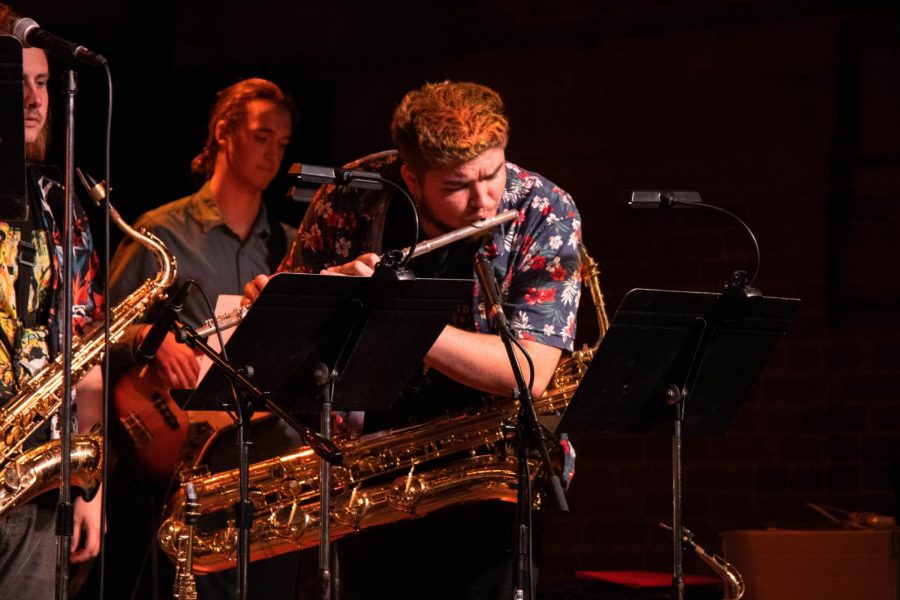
{"points": [[204, 209]]}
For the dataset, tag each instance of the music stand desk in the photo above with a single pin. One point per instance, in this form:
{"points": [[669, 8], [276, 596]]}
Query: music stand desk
{"points": [[651, 344], [373, 333]]}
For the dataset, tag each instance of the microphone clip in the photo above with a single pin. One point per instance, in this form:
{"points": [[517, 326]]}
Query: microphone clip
{"points": [[392, 268], [739, 288]]}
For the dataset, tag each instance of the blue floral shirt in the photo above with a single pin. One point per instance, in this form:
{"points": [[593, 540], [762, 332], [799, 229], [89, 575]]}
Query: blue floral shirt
{"points": [[535, 256]]}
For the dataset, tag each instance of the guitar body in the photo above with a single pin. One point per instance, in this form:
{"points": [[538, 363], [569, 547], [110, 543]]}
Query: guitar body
{"points": [[161, 437]]}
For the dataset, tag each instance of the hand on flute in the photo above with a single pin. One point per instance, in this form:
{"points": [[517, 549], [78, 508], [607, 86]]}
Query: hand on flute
{"points": [[362, 266], [253, 288]]}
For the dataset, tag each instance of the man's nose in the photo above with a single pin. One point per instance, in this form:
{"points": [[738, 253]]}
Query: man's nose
{"points": [[480, 195], [272, 150], [31, 98]]}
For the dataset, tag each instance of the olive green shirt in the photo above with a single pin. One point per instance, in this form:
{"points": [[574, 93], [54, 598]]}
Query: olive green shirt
{"points": [[207, 251]]}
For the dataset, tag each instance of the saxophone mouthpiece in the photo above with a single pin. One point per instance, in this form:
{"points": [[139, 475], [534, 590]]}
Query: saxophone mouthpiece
{"points": [[96, 190]]}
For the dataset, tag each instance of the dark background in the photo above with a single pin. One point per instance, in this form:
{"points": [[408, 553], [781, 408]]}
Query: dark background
{"points": [[784, 112]]}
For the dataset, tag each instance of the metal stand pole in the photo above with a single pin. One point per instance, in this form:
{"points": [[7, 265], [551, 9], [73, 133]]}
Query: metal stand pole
{"points": [[324, 378], [677, 548], [64, 510], [244, 507]]}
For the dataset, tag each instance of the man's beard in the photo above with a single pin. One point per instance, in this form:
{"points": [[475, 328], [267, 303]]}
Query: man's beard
{"points": [[36, 151], [423, 208], [427, 215]]}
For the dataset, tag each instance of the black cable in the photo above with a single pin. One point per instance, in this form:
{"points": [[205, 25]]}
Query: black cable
{"points": [[527, 359], [211, 312], [529, 584], [104, 471], [676, 202], [412, 206]]}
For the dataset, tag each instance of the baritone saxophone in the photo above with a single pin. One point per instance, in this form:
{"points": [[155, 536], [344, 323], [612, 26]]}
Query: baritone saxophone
{"points": [[385, 477], [25, 475]]}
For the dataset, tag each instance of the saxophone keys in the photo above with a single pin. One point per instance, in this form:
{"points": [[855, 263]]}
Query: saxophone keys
{"points": [[290, 521], [350, 512], [12, 435], [224, 541], [12, 479], [406, 492], [171, 533]]}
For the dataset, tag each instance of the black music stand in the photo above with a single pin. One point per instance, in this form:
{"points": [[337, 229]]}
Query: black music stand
{"points": [[13, 201], [318, 342], [678, 362], [373, 333]]}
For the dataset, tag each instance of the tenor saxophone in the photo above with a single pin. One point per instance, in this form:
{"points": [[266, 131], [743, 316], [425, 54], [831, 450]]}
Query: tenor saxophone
{"points": [[385, 477], [24, 475]]}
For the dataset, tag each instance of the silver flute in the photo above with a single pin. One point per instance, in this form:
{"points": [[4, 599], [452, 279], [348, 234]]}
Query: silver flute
{"points": [[462, 233], [232, 318]]}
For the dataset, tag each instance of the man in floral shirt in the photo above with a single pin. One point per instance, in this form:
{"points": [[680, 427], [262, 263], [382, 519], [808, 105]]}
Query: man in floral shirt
{"points": [[31, 256], [451, 139]]}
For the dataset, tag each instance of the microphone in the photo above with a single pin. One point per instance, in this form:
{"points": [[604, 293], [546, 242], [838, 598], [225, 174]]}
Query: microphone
{"points": [[365, 180], [148, 348], [31, 35], [741, 284], [485, 272], [661, 198]]}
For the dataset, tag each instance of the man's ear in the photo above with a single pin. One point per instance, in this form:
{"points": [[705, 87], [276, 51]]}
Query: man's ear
{"points": [[411, 181], [221, 132]]}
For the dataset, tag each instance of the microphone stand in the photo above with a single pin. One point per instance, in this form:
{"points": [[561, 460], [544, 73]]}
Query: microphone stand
{"points": [[247, 397], [528, 431], [738, 290], [64, 509]]}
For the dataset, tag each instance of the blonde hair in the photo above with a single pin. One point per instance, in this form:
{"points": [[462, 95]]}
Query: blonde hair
{"points": [[448, 122], [231, 107]]}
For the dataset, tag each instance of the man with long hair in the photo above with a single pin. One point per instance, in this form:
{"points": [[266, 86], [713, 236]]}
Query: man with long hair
{"points": [[30, 305], [221, 236]]}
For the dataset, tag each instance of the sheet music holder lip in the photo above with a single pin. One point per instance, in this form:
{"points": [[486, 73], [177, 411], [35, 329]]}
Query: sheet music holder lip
{"points": [[294, 324], [645, 347]]}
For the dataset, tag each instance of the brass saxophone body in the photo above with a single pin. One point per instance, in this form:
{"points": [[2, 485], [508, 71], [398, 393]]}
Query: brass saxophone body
{"points": [[386, 477], [26, 475]]}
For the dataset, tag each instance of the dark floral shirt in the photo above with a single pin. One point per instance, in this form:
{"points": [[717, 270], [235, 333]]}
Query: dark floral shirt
{"points": [[535, 256], [28, 330]]}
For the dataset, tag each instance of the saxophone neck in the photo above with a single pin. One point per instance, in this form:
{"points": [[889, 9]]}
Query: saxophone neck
{"points": [[732, 581], [590, 274], [167, 263]]}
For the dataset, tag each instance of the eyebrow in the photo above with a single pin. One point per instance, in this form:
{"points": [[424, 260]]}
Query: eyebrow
{"points": [[265, 130], [455, 180]]}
